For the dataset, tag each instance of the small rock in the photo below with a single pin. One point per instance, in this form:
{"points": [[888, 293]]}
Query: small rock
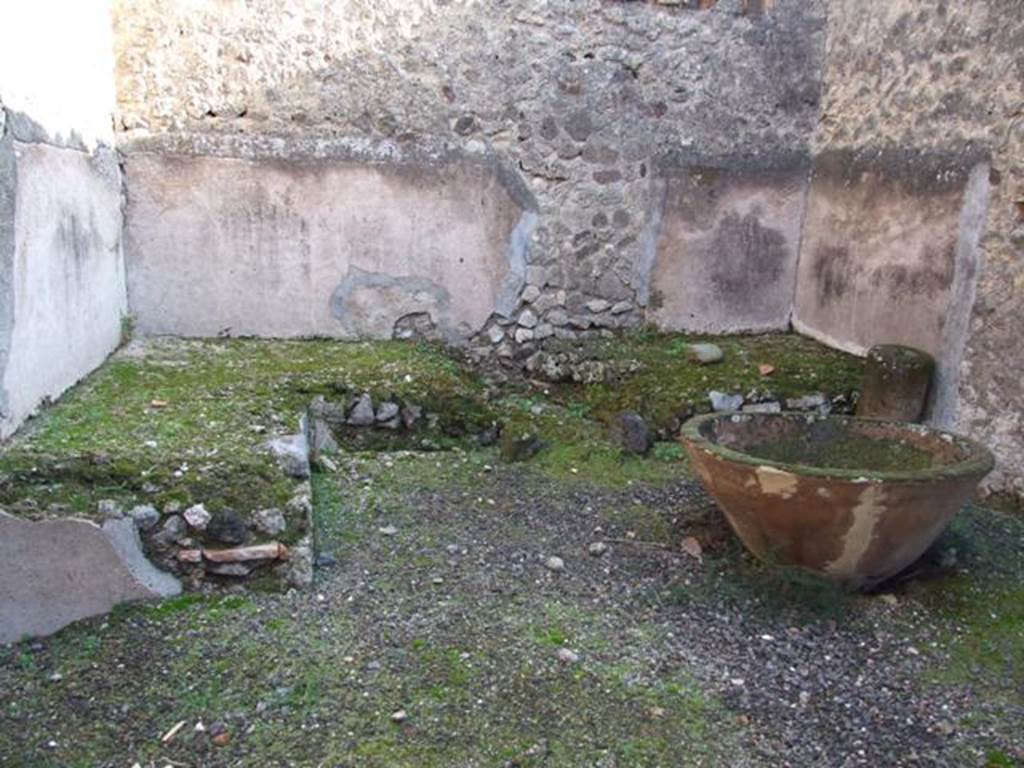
{"points": [[770, 407], [197, 517], [597, 549], [554, 563], [145, 516], [387, 530], [531, 293], [495, 334], [490, 435], [621, 307], [222, 739], [630, 431], [386, 412], [400, 716], [190, 555], [520, 448], [527, 318], [236, 570], [173, 529], [324, 560], [523, 335], [362, 414], [597, 305], [269, 521], [543, 331], [691, 546], [411, 415], [704, 354], [721, 401], [807, 402], [109, 509], [567, 656], [765, 369], [292, 452], [227, 527]]}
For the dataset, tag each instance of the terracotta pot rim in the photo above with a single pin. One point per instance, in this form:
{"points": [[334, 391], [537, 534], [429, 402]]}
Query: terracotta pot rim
{"points": [[979, 461]]}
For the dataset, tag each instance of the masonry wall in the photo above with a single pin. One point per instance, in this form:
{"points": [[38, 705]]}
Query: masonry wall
{"points": [[923, 100], [62, 292], [545, 153]]}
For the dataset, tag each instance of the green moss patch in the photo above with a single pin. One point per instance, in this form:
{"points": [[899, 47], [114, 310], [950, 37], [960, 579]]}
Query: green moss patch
{"points": [[657, 379]]}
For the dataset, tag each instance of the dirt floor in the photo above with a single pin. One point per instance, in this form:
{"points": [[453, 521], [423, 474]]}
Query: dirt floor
{"points": [[577, 609]]}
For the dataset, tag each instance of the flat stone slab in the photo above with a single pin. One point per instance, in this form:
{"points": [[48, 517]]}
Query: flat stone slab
{"points": [[54, 572]]}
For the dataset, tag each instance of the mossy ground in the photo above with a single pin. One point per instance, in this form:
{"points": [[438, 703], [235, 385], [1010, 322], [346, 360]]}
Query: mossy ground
{"points": [[440, 603]]}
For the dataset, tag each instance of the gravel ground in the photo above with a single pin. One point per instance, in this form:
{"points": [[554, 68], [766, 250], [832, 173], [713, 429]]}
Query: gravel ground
{"points": [[464, 617]]}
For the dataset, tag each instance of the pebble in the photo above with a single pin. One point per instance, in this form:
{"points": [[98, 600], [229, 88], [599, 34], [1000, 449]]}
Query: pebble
{"points": [[597, 549], [400, 716], [554, 563], [704, 354], [388, 530], [567, 656]]}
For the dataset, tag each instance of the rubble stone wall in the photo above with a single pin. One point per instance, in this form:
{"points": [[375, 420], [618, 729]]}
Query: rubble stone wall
{"points": [[585, 111]]}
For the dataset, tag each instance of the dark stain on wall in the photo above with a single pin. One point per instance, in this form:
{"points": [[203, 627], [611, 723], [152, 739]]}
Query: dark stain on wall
{"points": [[744, 252]]}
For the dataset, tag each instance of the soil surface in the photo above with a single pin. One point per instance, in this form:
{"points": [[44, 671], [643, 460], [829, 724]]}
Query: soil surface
{"points": [[473, 613]]}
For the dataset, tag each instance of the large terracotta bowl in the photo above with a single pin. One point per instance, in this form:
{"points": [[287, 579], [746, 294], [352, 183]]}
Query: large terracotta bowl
{"points": [[856, 500]]}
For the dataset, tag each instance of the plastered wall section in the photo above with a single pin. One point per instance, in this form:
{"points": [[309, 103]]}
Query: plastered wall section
{"points": [[62, 289], [947, 79]]}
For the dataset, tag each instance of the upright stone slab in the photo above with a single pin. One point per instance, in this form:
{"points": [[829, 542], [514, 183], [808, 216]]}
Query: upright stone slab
{"points": [[896, 383]]}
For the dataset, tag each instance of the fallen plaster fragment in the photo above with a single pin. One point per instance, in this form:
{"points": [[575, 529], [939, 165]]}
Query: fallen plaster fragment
{"points": [[54, 572]]}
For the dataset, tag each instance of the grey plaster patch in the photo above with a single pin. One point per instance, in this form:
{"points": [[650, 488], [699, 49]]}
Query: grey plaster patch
{"points": [[53, 572], [368, 304]]}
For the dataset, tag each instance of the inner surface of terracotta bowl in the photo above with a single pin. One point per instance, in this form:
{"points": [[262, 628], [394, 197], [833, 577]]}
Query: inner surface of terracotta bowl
{"points": [[857, 500]]}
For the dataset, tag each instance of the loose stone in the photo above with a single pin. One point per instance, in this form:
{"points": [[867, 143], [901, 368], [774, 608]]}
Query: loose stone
{"points": [[554, 563], [145, 516], [362, 414], [721, 401], [597, 549], [567, 656], [704, 354], [630, 431], [197, 517], [269, 521], [227, 527]]}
